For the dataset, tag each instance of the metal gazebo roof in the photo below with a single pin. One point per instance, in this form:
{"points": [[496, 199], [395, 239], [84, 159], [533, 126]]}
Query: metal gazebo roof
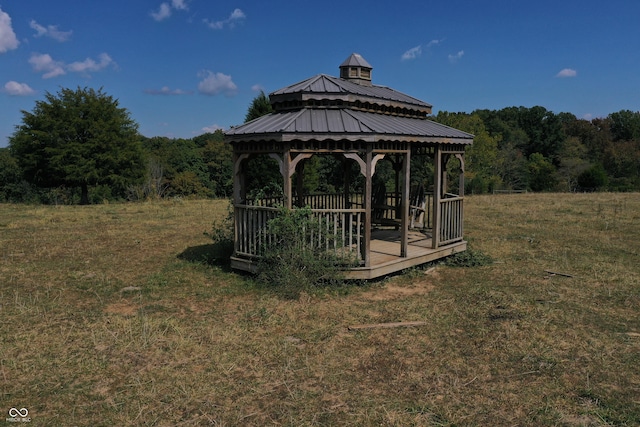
{"points": [[308, 123], [323, 107]]}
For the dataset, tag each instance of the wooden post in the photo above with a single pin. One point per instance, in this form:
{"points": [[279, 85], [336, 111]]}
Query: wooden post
{"points": [[300, 184], [406, 184], [437, 194], [397, 167], [368, 194], [286, 176], [346, 183], [239, 194]]}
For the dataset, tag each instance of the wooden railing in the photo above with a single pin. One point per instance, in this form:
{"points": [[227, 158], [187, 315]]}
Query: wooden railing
{"points": [[450, 219], [338, 230], [420, 211]]}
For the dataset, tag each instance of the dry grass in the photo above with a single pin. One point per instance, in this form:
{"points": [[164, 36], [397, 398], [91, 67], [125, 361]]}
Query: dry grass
{"points": [[107, 319]]}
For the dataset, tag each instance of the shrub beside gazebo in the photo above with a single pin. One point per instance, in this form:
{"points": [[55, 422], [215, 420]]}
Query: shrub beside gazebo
{"points": [[362, 124]]}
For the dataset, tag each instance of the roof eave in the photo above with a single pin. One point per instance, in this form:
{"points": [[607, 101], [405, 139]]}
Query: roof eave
{"points": [[365, 137]]}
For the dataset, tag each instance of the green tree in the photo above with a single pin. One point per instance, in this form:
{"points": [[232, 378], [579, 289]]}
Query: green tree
{"points": [[78, 138], [10, 178], [625, 125], [542, 173], [259, 107], [261, 171], [482, 161], [592, 179], [218, 158], [176, 157]]}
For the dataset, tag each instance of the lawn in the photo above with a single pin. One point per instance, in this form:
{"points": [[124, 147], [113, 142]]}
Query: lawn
{"points": [[112, 315]]}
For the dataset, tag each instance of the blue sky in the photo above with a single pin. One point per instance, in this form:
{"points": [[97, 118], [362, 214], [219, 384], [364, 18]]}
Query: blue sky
{"points": [[185, 67]]}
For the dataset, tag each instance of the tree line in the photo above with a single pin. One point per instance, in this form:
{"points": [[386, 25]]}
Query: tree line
{"points": [[520, 148], [80, 146]]}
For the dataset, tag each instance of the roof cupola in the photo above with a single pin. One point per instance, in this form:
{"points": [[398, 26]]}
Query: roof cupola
{"points": [[356, 69]]}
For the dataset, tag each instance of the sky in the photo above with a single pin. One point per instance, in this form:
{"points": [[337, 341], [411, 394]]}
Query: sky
{"points": [[185, 67]]}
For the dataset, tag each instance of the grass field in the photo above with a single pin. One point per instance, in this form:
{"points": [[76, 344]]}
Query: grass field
{"points": [[109, 315]]}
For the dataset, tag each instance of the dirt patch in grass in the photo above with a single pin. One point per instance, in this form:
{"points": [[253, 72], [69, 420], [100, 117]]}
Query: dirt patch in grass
{"points": [[121, 308]]}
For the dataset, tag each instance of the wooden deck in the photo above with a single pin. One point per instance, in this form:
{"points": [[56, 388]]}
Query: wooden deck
{"points": [[385, 254]]}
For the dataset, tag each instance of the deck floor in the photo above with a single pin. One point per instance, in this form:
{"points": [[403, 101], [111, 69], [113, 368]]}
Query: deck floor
{"points": [[385, 253]]}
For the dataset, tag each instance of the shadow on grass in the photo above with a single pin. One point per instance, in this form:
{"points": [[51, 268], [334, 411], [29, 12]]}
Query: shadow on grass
{"points": [[212, 254]]}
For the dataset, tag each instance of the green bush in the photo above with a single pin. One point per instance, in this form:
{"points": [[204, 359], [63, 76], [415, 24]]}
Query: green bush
{"points": [[291, 262], [468, 258], [592, 179], [222, 234]]}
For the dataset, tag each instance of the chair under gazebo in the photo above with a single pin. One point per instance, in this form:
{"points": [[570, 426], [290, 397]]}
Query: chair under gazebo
{"points": [[357, 123]]}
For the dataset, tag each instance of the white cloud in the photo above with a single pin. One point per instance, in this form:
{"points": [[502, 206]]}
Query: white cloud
{"points": [[8, 39], [216, 83], [165, 90], [166, 9], [89, 64], [179, 4], [18, 89], [456, 57], [412, 53], [45, 63], [214, 127], [567, 72], [236, 15], [50, 31], [163, 13], [257, 88], [415, 52]]}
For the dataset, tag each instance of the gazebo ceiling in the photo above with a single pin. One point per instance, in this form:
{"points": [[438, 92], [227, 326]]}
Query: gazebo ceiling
{"points": [[330, 108]]}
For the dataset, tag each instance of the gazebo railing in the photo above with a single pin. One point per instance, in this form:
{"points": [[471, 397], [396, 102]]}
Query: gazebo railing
{"points": [[329, 200], [420, 211], [451, 210], [337, 230]]}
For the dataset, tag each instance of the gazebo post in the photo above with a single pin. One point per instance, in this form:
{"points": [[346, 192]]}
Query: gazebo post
{"points": [[397, 168], [346, 183], [368, 192], [300, 185], [437, 194], [286, 175], [406, 184]]}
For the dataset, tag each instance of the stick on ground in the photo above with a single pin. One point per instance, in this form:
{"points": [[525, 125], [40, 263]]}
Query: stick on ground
{"points": [[555, 273], [385, 325]]}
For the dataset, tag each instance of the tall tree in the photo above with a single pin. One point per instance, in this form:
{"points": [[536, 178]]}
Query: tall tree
{"points": [[625, 125], [185, 171], [78, 138], [10, 177], [259, 107], [218, 158], [261, 171]]}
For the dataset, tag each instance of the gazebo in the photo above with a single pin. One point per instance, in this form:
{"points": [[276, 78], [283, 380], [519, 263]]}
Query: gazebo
{"points": [[355, 122]]}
